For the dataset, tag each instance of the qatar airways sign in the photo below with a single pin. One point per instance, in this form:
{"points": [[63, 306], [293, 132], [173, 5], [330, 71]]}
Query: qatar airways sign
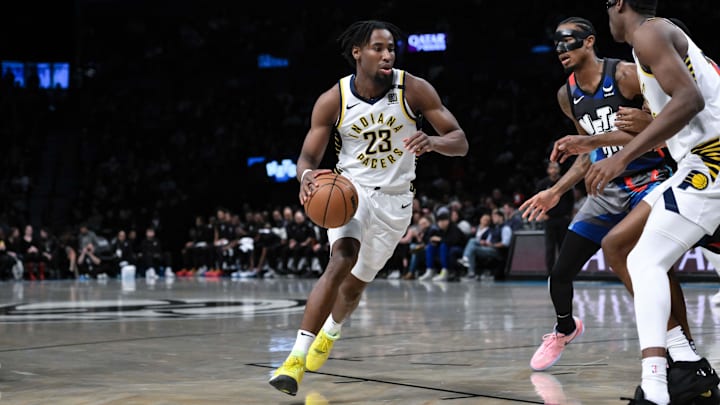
{"points": [[427, 42]]}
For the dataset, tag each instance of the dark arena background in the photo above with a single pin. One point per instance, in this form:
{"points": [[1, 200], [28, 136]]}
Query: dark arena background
{"points": [[154, 112], [161, 137]]}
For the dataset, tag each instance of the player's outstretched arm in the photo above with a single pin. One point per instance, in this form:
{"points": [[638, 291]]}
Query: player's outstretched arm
{"points": [[539, 204]]}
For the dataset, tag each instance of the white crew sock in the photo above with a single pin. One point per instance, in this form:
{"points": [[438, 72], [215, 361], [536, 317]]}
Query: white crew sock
{"points": [[678, 346], [302, 343], [332, 327], [654, 380]]}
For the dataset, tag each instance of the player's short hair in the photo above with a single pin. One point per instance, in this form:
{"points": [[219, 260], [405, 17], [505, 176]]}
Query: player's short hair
{"points": [[584, 24], [358, 34], [643, 7]]}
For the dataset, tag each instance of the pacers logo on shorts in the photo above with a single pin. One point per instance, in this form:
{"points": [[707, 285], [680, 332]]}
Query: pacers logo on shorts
{"points": [[709, 152], [696, 180]]}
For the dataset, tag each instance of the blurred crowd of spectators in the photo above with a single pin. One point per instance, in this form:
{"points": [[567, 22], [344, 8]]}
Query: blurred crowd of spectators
{"points": [[165, 107]]}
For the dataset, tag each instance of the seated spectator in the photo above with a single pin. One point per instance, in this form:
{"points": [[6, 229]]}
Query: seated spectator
{"points": [[462, 223], [513, 217], [444, 243], [481, 241], [494, 257], [151, 258], [66, 256], [85, 236], [197, 254], [263, 242], [7, 259], [244, 244], [301, 238], [109, 265], [123, 249], [278, 251], [89, 264], [49, 251], [31, 256], [320, 251], [416, 248], [225, 234]]}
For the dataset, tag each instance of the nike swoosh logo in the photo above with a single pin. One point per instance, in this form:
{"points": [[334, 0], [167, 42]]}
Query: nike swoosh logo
{"points": [[577, 100], [306, 334], [406, 205], [348, 106]]}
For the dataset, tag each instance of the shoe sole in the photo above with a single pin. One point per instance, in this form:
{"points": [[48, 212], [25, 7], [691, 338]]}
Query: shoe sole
{"points": [[284, 384]]}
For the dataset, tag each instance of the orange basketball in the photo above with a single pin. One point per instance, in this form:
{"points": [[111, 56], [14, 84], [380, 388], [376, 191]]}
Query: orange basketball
{"points": [[333, 203]]}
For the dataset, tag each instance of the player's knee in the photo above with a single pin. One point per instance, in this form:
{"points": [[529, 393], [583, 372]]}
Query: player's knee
{"points": [[645, 260], [339, 267], [558, 278], [345, 247], [344, 255], [614, 249], [564, 270]]}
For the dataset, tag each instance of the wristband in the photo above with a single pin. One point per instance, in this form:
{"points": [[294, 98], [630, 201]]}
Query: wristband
{"points": [[302, 176]]}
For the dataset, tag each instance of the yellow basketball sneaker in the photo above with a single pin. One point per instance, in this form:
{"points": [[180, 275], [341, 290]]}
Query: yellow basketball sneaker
{"points": [[287, 378], [320, 350]]}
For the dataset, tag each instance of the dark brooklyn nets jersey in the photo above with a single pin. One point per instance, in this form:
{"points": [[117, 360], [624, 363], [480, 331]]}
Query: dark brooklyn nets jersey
{"points": [[596, 114]]}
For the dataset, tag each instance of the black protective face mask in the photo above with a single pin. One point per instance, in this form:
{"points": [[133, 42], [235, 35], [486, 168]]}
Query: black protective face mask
{"points": [[562, 46]]}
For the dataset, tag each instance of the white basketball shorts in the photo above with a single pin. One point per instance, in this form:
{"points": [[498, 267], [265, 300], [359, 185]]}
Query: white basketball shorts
{"points": [[693, 192], [379, 223]]}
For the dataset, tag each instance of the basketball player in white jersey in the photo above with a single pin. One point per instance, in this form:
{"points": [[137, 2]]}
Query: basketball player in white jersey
{"points": [[374, 115], [682, 89]]}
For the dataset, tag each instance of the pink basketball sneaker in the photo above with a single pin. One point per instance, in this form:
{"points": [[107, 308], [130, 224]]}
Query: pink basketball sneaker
{"points": [[552, 347]]}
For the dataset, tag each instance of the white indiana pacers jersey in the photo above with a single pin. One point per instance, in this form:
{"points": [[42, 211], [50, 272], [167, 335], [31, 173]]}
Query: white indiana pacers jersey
{"points": [[705, 126], [371, 150]]}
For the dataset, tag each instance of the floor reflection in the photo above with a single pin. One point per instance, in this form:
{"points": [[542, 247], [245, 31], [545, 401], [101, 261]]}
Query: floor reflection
{"points": [[549, 388], [218, 341]]}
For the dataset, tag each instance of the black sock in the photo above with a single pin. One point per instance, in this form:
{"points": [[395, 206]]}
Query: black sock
{"points": [[565, 324]]}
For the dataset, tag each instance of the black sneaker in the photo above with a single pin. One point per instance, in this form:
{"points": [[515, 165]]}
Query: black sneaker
{"points": [[639, 398], [711, 397], [688, 380]]}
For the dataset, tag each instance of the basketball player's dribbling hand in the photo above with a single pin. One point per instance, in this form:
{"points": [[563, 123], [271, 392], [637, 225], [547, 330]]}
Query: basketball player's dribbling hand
{"points": [[418, 143], [536, 206], [308, 183], [600, 173], [570, 145]]}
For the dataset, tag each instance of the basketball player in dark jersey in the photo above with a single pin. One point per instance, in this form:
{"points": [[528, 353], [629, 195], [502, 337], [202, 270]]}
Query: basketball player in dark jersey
{"points": [[594, 93], [680, 85]]}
